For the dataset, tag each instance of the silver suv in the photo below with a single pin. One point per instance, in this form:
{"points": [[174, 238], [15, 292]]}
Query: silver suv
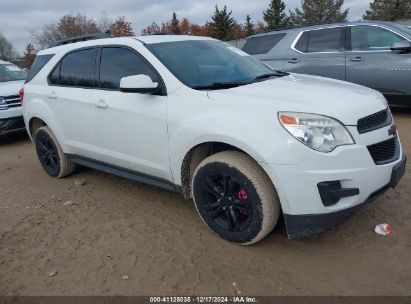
{"points": [[373, 54]]}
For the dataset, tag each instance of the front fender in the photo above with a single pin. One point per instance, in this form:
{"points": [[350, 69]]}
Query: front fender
{"points": [[259, 138]]}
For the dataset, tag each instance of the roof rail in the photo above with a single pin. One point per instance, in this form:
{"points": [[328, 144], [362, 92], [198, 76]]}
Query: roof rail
{"points": [[302, 26], [83, 38]]}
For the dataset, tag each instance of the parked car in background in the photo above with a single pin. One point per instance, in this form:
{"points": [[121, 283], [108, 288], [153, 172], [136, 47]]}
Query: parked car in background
{"points": [[373, 54], [200, 117], [11, 81]]}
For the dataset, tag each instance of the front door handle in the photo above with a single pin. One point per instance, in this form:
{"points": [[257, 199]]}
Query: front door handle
{"points": [[293, 60], [101, 103], [357, 59], [52, 95]]}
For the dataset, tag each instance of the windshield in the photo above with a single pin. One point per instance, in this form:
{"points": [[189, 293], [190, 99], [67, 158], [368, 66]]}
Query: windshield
{"points": [[205, 63], [9, 72]]}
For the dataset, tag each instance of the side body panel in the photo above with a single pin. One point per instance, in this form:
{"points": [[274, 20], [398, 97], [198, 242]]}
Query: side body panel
{"points": [[327, 64], [386, 71]]}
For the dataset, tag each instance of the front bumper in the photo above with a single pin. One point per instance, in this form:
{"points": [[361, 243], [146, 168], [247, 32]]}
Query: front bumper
{"points": [[302, 226], [305, 213], [11, 124]]}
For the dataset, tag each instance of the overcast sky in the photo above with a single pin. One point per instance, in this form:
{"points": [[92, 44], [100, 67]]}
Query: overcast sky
{"points": [[18, 18]]}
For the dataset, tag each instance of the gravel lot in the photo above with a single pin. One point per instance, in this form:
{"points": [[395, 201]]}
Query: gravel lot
{"points": [[113, 236]]}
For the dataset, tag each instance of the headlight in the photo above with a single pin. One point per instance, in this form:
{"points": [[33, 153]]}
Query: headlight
{"points": [[318, 132]]}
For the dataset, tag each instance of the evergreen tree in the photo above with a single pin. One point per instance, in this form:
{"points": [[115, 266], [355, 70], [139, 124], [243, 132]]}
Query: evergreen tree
{"points": [[389, 10], [275, 16], [175, 25], [319, 11], [223, 25], [249, 26]]}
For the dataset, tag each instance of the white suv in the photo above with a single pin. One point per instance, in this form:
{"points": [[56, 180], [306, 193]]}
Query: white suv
{"points": [[197, 116], [11, 81]]}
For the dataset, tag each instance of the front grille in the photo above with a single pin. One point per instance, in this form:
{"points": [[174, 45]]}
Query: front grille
{"points": [[10, 102], [375, 121], [385, 152]]}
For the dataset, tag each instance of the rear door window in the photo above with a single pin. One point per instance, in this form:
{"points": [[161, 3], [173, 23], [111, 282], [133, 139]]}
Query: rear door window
{"points": [[77, 69], [324, 40], [262, 44], [38, 64]]}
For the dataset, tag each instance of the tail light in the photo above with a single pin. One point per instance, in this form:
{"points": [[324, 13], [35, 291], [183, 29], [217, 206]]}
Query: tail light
{"points": [[21, 92]]}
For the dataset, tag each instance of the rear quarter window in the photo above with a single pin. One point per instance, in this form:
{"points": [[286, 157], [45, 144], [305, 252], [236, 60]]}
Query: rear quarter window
{"points": [[323, 40], [38, 64], [262, 44]]}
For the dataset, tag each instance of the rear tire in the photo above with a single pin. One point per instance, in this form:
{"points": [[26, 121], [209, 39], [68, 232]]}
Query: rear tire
{"points": [[50, 154], [235, 198]]}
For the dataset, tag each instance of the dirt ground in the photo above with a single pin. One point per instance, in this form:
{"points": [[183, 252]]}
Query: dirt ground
{"points": [[57, 238]]}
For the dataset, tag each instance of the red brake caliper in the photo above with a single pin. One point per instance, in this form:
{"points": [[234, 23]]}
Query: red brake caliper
{"points": [[242, 195]]}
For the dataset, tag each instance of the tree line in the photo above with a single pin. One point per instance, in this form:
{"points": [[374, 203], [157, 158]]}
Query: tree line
{"points": [[222, 24], [66, 27]]}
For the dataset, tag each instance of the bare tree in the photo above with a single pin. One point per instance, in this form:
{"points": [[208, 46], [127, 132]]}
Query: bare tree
{"points": [[104, 23], [68, 26], [7, 51], [152, 29]]}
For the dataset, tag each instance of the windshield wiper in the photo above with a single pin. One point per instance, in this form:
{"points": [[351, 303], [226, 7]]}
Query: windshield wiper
{"points": [[233, 84], [275, 74], [221, 85]]}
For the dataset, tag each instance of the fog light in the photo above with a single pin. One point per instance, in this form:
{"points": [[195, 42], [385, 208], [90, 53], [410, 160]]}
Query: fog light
{"points": [[331, 192]]}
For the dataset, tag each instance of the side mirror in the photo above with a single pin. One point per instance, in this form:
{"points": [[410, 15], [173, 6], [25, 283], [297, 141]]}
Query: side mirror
{"points": [[403, 46], [139, 84]]}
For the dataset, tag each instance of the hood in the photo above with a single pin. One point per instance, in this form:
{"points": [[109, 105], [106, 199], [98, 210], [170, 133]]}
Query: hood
{"points": [[344, 101], [10, 87]]}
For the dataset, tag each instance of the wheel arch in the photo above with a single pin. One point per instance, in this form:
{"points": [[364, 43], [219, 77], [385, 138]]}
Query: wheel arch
{"points": [[198, 152], [34, 124]]}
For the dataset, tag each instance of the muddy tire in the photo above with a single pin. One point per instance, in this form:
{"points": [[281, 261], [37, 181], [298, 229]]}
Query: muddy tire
{"points": [[50, 154], [235, 198]]}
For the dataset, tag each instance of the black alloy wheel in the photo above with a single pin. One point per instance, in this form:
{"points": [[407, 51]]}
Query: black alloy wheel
{"points": [[47, 153]]}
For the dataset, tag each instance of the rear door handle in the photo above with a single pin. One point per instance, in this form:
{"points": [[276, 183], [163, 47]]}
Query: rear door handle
{"points": [[52, 95], [101, 103], [294, 60], [357, 59]]}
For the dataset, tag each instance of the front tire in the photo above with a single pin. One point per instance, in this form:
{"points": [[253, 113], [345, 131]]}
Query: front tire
{"points": [[51, 156], [235, 198]]}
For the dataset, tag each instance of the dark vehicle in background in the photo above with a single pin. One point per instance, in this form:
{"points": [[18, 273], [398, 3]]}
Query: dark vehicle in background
{"points": [[373, 54]]}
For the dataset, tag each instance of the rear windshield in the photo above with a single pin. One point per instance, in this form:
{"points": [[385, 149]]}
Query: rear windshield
{"points": [[10, 72], [262, 44], [38, 64]]}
